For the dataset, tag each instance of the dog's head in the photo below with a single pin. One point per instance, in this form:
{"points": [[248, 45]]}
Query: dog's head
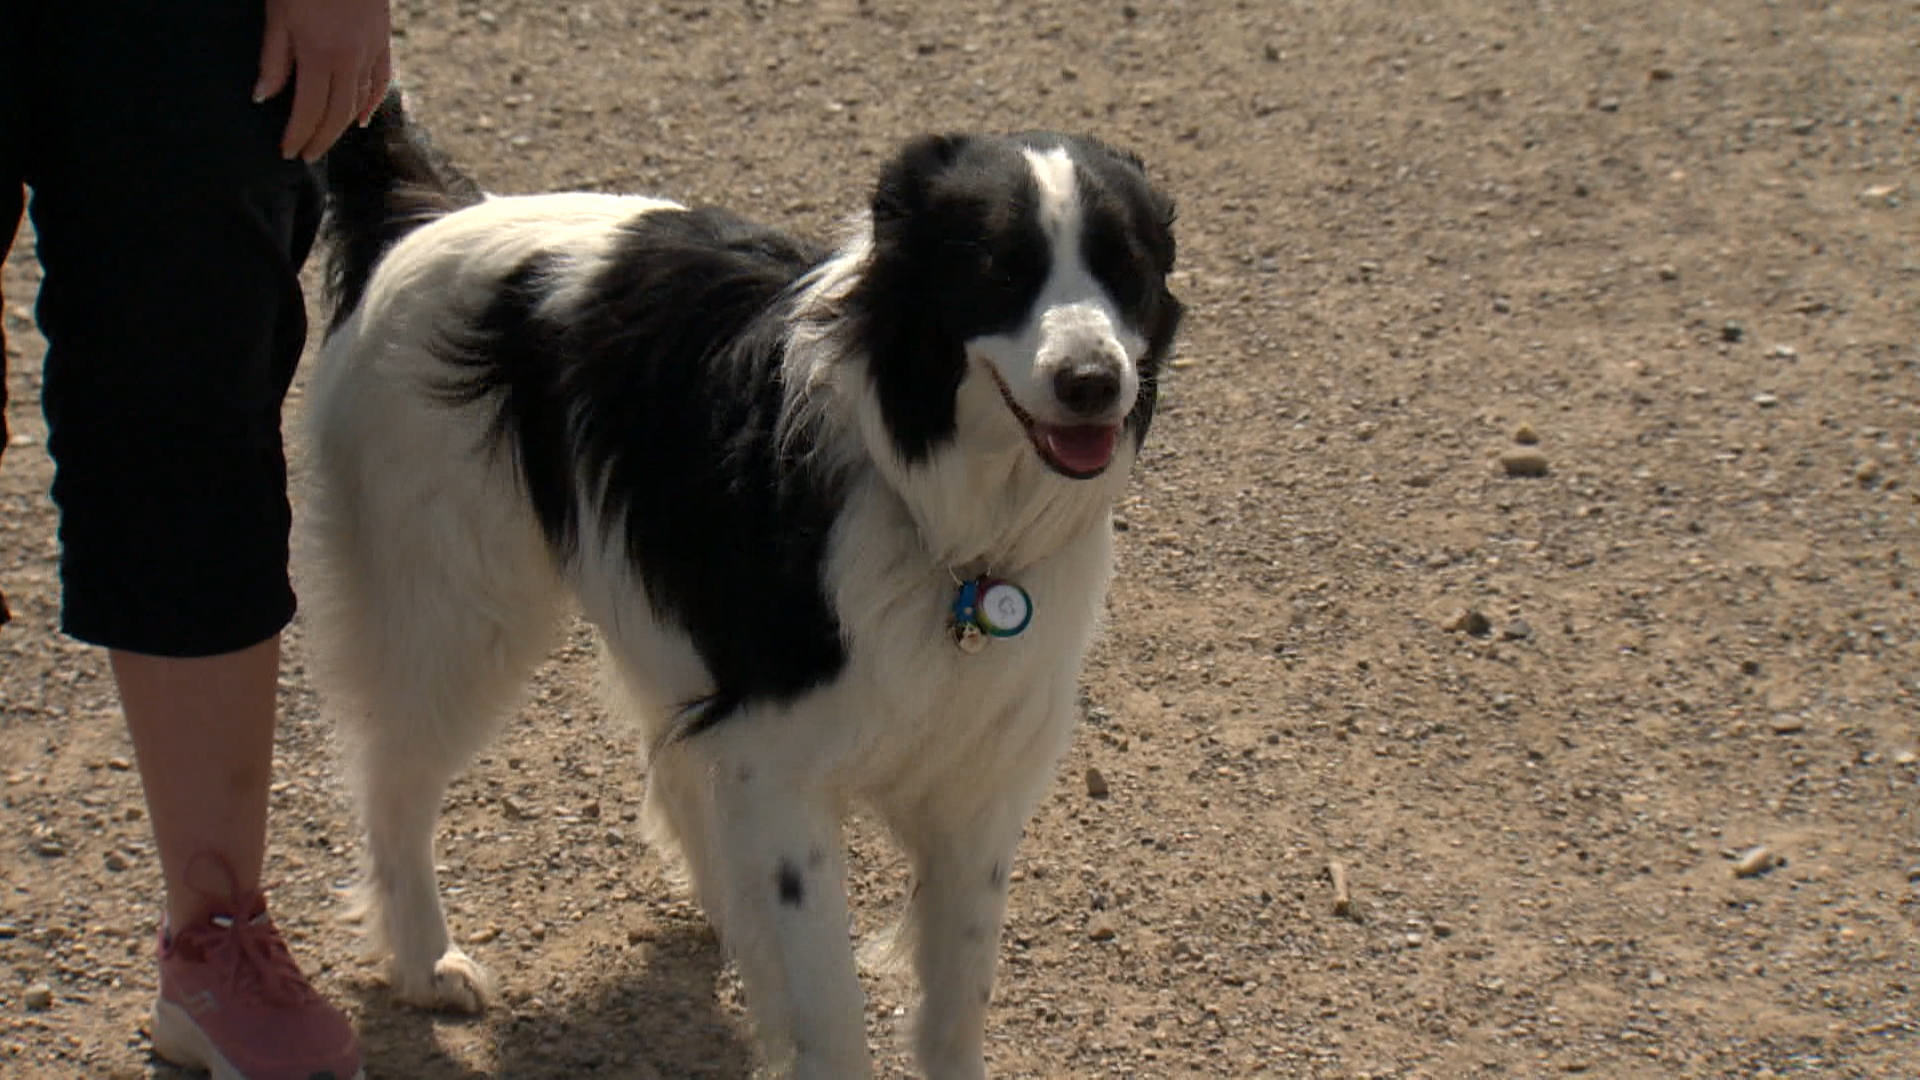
{"points": [[1026, 272]]}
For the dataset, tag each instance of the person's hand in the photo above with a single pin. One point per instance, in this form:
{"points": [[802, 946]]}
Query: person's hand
{"points": [[338, 55]]}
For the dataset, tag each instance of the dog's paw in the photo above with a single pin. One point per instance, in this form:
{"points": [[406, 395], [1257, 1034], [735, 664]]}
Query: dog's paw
{"points": [[456, 983]]}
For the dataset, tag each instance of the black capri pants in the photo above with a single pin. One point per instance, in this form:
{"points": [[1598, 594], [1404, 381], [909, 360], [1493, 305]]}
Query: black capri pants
{"points": [[171, 234]]}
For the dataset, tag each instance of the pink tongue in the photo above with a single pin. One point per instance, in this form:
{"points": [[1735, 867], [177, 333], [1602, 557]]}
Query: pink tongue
{"points": [[1085, 449]]}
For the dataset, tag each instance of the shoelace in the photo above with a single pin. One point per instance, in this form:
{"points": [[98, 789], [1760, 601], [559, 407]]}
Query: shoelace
{"points": [[251, 948]]}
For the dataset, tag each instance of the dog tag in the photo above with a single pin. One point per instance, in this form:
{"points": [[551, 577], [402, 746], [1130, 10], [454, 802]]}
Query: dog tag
{"points": [[985, 608], [1005, 608]]}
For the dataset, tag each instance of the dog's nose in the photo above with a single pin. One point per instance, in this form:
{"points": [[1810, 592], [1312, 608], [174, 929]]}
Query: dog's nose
{"points": [[1087, 387]]}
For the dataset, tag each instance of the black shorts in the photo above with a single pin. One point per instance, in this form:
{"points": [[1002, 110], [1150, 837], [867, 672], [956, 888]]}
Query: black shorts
{"points": [[171, 234]]}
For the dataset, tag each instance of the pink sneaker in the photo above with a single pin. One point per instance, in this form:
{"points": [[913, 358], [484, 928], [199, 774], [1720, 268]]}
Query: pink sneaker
{"points": [[234, 1002]]}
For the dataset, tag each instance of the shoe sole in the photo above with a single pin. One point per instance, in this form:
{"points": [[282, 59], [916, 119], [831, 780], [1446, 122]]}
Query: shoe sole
{"points": [[179, 1040]]}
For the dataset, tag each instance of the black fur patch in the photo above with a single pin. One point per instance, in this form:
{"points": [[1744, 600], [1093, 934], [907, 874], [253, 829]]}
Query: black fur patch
{"points": [[663, 391], [958, 254], [793, 891]]}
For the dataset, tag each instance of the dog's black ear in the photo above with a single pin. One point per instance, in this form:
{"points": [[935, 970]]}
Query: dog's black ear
{"points": [[905, 183]]}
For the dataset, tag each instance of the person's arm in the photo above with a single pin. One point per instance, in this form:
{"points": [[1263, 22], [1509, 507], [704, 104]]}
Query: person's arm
{"points": [[337, 54]]}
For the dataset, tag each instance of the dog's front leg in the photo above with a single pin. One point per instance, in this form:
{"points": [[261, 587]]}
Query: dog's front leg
{"points": [[783, 895], [959, 903]]}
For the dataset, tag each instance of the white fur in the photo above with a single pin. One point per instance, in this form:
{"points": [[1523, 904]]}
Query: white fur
{"points": [[432, 593]]}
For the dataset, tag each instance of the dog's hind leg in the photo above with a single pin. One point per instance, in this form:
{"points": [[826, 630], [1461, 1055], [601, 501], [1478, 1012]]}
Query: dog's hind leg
{"points": [[429, 609], [763, 841]]}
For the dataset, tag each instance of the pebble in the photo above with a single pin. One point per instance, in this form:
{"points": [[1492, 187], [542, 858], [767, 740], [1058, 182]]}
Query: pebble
{"points": [[1866, 473], [1732, 331], [1525, 435], [1756, 861], [1907, 757], [1657, 978], [1765, 400], [1101, 929], [115, 862], [1468, 621], [119, 764], [1517, 630], [51, 849], [1788, 725], [1524, 463], [39, 997], [1096, 783]]}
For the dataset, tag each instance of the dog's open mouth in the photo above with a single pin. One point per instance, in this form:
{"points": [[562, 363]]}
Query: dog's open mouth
{"points": [[1075, 451]]}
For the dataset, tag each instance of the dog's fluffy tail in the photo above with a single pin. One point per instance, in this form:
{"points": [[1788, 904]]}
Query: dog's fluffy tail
{"points": [[383, 181]]}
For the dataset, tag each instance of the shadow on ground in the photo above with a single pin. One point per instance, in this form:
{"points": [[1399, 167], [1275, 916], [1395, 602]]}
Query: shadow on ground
{"points": [[660, 1018]]}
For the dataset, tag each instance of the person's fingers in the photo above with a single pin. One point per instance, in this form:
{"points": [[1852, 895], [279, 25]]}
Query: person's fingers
{"points": [[343, 105], [276, 59], [377, 85], [311, 84]]}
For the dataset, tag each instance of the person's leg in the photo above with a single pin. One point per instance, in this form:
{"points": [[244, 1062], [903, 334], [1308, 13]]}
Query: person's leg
{"points": [[203, 735], [171, 235]]}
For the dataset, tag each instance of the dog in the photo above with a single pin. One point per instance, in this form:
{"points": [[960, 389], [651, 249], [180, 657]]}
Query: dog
{"points": [[840, 514]]}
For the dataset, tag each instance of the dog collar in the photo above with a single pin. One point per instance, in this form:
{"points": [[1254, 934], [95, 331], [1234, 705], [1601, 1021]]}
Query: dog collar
{"points": [[985, 608]]}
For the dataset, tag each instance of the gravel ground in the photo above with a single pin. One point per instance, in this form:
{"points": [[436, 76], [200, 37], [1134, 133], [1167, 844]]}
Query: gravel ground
{"points": [[1528, 535]]}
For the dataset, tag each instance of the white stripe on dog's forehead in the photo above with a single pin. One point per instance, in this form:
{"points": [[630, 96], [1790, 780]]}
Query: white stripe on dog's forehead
{"points": [[1059, 208]]}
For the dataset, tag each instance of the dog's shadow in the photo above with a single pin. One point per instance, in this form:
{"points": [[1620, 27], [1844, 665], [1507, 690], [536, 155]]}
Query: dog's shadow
{"points": [[658, 1019]]}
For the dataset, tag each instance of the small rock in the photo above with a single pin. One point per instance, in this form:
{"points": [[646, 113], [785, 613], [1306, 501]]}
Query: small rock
{"points": [[1096, 783], [1732, 331], [1907, 757], [38, 998], [1517, 630], [115, 862], [1788, 725], [50, 848], [1669, 273], [119, 764], [1101, 929], [1867, 473], [1765, 400], [1785, 352], [1468, 621], [1656, 978], [1755, 861], [1524, 463], [517, 810], [483, 935], [1525, 435]]}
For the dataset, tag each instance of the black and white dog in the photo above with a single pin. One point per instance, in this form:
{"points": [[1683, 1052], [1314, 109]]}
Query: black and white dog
{"points": [[840, 516]]}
